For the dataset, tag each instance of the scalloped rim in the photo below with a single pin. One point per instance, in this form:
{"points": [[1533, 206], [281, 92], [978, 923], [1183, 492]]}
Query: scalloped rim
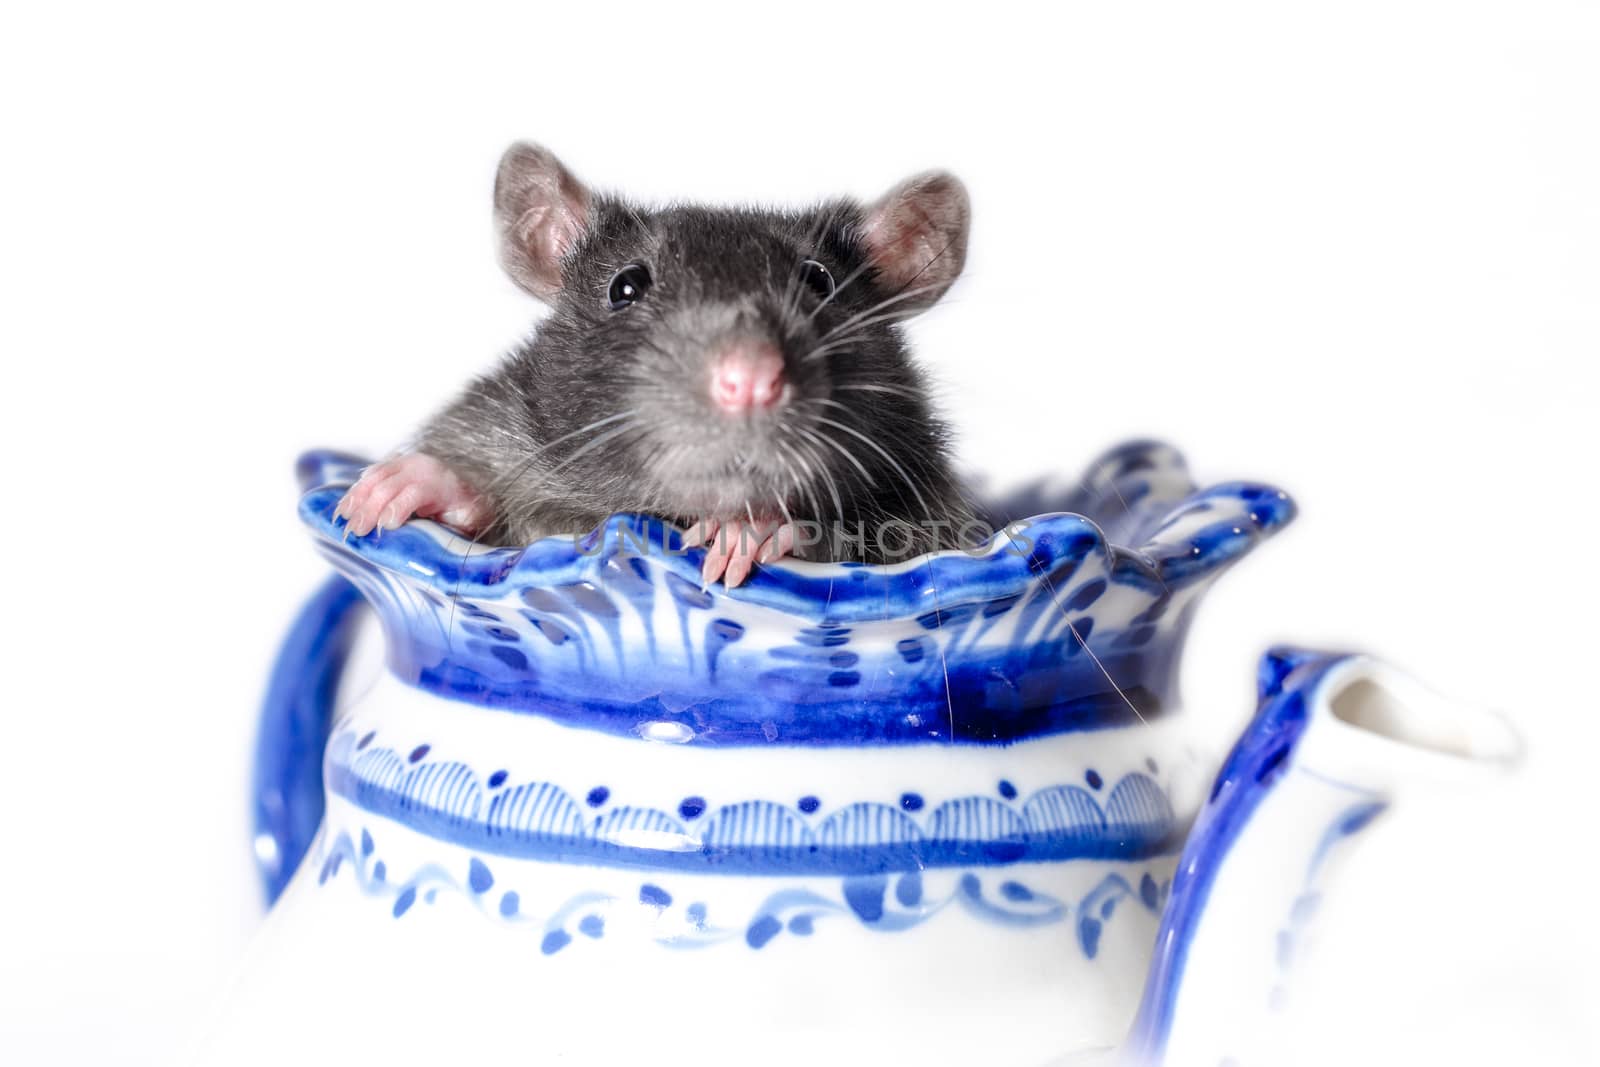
{"points": [[1174, 555]]}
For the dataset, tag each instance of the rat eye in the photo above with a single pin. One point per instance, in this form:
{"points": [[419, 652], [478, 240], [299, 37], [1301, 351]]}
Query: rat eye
{"points": [[628, 285], [817, 278]]}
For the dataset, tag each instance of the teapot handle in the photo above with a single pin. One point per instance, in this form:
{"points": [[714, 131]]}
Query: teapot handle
{"points": [[293, 729]]}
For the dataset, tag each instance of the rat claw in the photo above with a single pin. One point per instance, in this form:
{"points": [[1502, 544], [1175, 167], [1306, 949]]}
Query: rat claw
{"points": [[727, 556], [388, 494], [701, 532], [716, 562], [778, 546], [748, 542], [736, 546]]}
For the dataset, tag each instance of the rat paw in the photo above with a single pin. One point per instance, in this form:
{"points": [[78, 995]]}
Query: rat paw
{"points": [[415, 484], [738, 545]]}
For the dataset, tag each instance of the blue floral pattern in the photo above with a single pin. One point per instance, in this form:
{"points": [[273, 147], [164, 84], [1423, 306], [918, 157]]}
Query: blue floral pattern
{"points": [[886, 903], [451, 802], [1048, 629]]}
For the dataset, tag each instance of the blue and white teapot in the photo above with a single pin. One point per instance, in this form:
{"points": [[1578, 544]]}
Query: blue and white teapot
{"points": [[588, 811]]}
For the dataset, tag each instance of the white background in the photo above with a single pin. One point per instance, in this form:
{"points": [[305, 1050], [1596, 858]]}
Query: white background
{"points": [[1352, 251]]}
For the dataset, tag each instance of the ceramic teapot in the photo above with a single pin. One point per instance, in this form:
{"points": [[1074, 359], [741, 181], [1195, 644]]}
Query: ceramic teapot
{"points": [[580, 808]]}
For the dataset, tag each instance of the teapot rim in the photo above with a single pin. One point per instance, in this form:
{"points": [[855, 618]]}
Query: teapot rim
{"points": [[1183, 535]]}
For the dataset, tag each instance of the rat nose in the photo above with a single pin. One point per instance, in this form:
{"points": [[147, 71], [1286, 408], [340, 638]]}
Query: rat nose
{"points": [[747, 376]]}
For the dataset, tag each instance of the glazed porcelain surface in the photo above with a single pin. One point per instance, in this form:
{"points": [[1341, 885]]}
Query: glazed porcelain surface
{"points": [[591, 810], [1336, 741]]}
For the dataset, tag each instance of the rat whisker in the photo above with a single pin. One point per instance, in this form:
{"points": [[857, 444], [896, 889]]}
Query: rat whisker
{"points": [[869, 265], [843, 451], [871, 387], [496, 487], [804, 488], [917, 458], [783, 508], [857, 329], [833, 342], [594, 442], [903, 293], [894, 463], [879, 306], [794, 286], [841, 287], [829, 482], [531, 503]]}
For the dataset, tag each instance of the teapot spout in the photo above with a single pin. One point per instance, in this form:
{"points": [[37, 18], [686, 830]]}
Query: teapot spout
{"points": [[1336, 741]]}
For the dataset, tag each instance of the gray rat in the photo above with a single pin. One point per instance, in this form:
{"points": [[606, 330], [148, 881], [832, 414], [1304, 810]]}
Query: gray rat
{"points": [[734, 370]]}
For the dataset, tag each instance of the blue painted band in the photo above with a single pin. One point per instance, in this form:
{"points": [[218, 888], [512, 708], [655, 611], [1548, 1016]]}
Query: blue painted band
{"points": [[696, 923], [451, 803], [881, 720]]}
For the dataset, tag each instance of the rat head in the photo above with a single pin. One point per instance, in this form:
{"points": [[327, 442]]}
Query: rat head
{"points": [[747, 360]]}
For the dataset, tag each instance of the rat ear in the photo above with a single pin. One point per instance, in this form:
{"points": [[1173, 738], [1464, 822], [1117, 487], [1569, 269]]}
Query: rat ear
{"points": [[540, 210], [916, 236]]}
